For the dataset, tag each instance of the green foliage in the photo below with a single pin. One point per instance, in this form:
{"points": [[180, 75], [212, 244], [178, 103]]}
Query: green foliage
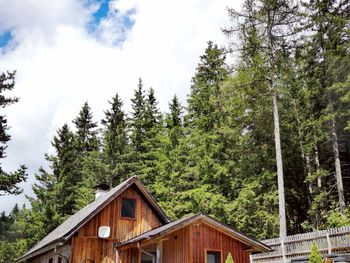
{"points": [[336, 219], [203, 107], [8, 180], [9, 251], [315, 256], [216, 156], [229, 258], [115, 143], [86, 130], [137, 118]]}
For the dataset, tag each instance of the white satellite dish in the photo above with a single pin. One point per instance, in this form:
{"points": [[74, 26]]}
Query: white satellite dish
{"points": [[104, 231]]}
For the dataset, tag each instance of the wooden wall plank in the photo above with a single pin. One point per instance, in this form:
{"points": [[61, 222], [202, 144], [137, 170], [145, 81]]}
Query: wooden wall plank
{"points": [[88, 245]]}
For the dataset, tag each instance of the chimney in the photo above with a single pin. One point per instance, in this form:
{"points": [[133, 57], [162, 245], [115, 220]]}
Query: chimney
{"points": [[101, 190]]}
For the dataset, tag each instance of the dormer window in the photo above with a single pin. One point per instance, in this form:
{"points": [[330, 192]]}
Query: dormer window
{"points": [[128, 208]]}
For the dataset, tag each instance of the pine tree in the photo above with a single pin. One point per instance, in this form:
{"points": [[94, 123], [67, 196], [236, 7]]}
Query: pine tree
{"points": [[315, 256], [146, 124], [67, 167], [86, 130], [8, 181], [115, 141], [174, 121], [44, 215], [203, 184], [327, 46], [151, 146], [229, 258], [152, 114], [274, 22], [137, 118], [212, 70]]}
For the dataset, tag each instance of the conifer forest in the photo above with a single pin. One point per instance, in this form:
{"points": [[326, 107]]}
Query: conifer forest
{"points": [[271, 129]]}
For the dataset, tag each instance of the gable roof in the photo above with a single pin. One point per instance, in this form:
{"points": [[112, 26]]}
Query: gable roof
{"points": [[67, 229], [175, 225]]}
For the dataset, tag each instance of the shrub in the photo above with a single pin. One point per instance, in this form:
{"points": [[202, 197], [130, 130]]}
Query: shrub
{"points": [[315, 256], [229, 258]]}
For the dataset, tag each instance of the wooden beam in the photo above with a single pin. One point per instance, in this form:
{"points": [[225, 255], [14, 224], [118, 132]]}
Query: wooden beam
{"points": [[159, 252]]}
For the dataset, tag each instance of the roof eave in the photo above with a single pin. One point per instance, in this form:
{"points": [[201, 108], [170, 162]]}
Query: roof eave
{"points": [[256, 245], [44, 249]]}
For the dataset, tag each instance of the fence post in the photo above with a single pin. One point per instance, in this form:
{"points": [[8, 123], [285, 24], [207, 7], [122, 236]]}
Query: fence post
{"points": [[329, 244], [283, 252]]}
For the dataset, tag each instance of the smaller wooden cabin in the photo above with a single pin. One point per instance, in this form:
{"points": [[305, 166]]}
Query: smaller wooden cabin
{"points": [[126, 225]]}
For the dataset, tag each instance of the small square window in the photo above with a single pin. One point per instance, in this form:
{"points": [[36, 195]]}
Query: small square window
{"points": [[128, 208], [213, 257]]}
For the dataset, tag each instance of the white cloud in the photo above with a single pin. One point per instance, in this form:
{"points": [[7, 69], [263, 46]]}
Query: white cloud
{"points": [[61, 64]]}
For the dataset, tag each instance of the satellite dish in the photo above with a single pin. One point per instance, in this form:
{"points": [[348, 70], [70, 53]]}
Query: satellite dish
{"points": [[104, 231]]}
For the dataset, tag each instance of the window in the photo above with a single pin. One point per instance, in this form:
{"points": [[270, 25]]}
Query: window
{"points": [[213, 257], [59, 260], [50, 260], [128, 208]]}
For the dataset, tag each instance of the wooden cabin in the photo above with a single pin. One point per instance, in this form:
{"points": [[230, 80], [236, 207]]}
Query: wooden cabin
{"points": [[126, 225]]}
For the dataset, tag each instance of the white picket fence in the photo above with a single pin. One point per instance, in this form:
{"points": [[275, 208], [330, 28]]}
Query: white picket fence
{"points": [[336, 240]]}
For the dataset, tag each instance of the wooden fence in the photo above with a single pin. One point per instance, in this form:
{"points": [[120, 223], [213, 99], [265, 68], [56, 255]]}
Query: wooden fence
{"points": [[331, 241]]}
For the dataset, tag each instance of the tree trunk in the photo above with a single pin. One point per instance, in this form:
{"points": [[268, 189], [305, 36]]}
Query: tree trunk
{"points": [[338, 174], [317, 161], [308, 169], [281, 201]]}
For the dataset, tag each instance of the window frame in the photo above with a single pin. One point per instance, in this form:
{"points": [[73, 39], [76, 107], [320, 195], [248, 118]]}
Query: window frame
{"points": [[208, 250], [121, 208]]}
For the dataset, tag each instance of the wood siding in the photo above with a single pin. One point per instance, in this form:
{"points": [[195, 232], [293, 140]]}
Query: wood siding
{"points": [[190, 244], [206, 238], [87, 245], [62, 252], [177, 246]]}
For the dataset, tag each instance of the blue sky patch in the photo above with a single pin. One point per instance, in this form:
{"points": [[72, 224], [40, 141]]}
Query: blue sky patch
{"points": [[5, 38], [101, 12], [123, 22]]}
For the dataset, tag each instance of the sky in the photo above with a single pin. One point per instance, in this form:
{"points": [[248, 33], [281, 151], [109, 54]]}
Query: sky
{"points": [[66, 52]]}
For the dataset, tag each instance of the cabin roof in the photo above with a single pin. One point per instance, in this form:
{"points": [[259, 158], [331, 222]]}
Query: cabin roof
{"points": [[175, 225], [65, 231]]}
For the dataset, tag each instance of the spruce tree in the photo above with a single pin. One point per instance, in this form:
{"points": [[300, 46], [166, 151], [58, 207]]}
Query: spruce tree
{"points": [[207, 173], [174, 121], [137, 118], [86, 130], [8, 180], [203, 110], [115, 141], [315, 256], [274, 22], [327, 48], [66, 167], [229, 258]]}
